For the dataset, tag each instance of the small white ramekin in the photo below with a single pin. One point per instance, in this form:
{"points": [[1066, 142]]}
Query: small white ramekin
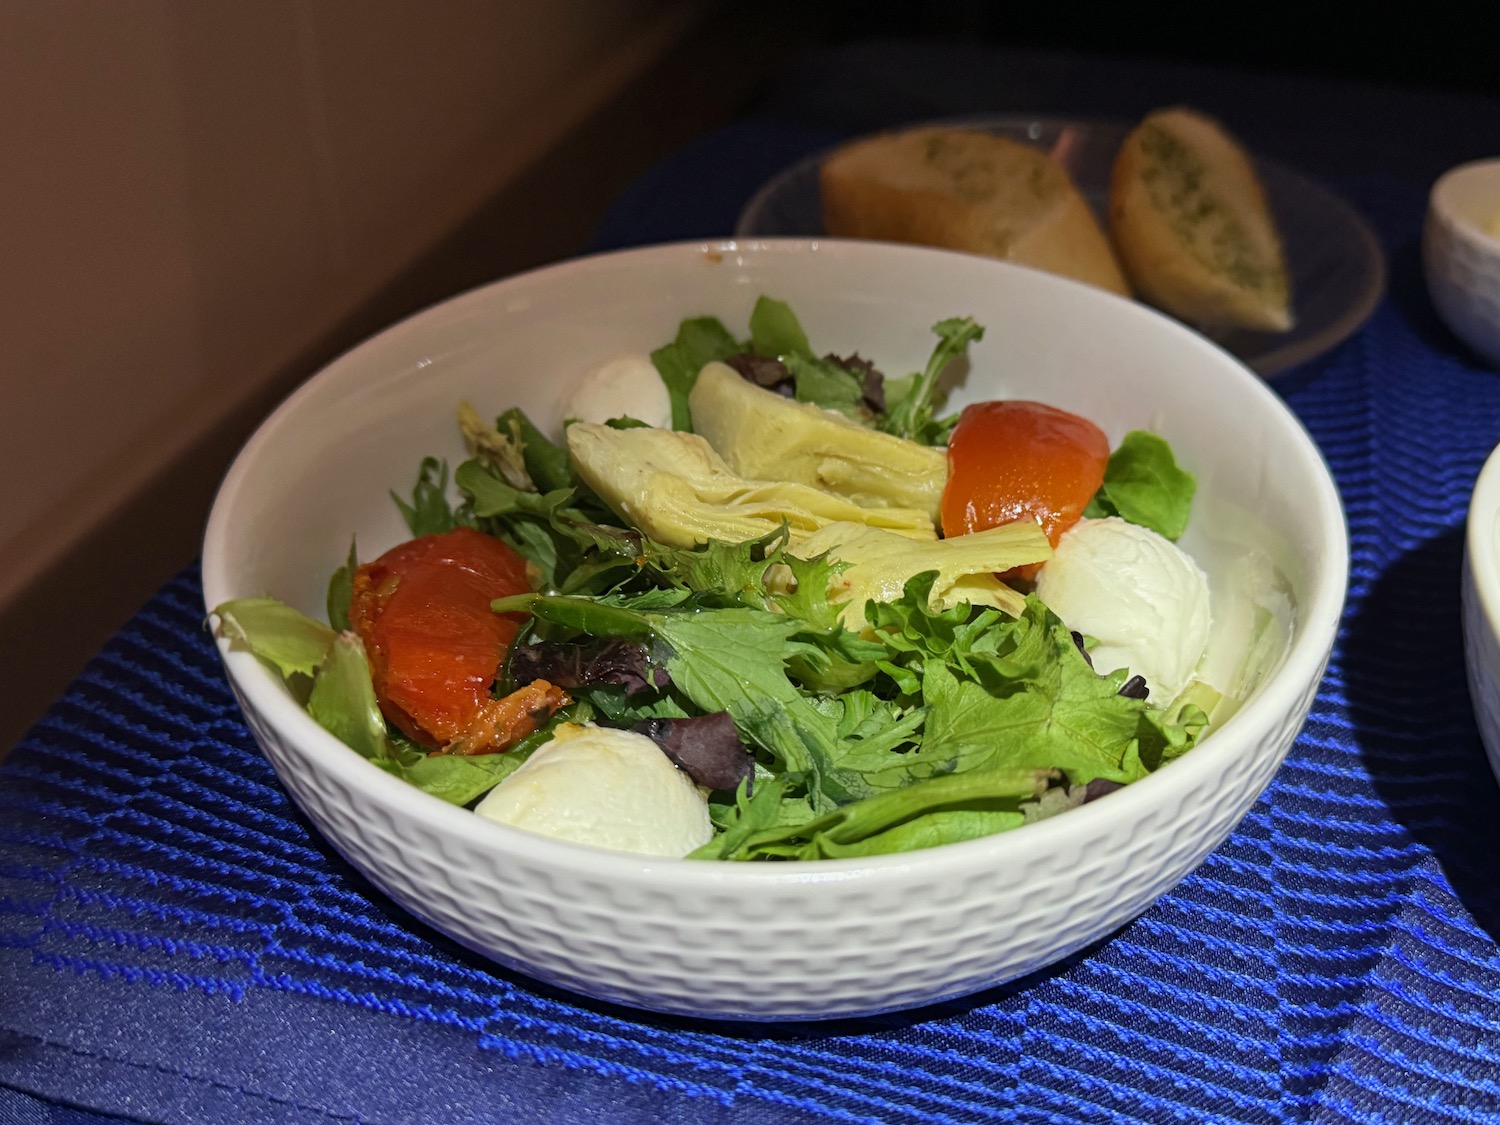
{"points": [[1461, 257]]}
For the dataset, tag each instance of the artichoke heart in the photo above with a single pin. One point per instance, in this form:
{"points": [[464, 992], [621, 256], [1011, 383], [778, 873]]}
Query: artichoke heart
{"points": [[880, 563], [674, 488], [763, 436]]}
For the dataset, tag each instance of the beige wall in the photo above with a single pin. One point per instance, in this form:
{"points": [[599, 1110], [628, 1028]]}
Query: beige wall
{"points": [[204, 201], [193, 191]]}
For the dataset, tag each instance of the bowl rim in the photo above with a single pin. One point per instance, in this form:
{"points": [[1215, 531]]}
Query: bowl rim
{"points": [[1441, 204], [1319, 614], [1480, 548]]}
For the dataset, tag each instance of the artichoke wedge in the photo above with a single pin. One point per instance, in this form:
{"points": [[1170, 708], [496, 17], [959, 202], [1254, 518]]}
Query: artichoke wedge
{"points": [[880, 563], [674, 488], [763, 436]]}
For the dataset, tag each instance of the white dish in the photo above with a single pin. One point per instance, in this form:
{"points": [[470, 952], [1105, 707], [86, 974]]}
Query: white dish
{"points": [[797, 941], [1481, 606], [1336, 264], [1461, 254]]}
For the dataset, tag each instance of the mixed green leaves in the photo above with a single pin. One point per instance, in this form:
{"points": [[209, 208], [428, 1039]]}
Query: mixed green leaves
{"points": [[429, 512], [845, 385], [942, 810], [329, 672], [927, 695], [912, 404], [922, 726]]}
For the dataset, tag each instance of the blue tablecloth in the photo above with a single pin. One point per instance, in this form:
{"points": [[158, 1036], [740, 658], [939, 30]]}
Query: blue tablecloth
{"points": [[176, 944]]}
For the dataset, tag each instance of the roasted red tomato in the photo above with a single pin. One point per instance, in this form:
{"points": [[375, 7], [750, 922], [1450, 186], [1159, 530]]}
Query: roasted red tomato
{"points": [[1021, 460], [435, 646]]}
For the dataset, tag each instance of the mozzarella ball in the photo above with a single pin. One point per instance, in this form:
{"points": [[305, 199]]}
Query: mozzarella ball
{"points": [[628, 386], [609, 788], [1140, 596]]}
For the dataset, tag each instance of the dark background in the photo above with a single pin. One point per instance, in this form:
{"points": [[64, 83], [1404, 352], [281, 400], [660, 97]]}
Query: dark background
{"points": [[1435, 45]]}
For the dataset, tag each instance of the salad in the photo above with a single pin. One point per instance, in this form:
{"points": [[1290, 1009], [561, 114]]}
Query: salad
{"points": [[805, 615]]}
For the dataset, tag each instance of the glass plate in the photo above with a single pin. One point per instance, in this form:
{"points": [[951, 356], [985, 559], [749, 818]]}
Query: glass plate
{"points": [[1337, 268]]}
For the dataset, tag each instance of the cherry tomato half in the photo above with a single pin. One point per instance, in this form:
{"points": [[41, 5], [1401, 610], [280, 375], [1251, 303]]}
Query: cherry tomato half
{"points": [[435, 647], [1021, 460]]}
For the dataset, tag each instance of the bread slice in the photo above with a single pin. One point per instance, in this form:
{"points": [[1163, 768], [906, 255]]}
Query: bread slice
{"points": [[967, 190], [1190, 221]]}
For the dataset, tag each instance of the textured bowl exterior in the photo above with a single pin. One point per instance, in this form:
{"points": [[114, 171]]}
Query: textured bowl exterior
{"points": [[1462, 261], [773, 941], [940, 926], [1481, 606]]}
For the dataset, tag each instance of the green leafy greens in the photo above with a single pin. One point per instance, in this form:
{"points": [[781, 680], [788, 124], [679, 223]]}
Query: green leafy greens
{"points": [[921, 727], [342, 698], [934, 694], [910, 414], [1142, 484], [777, 334], [699, 341]]}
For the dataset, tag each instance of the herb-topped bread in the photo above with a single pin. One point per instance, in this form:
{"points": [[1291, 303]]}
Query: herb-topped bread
{"points": [[967, 190], [1190, 222]]}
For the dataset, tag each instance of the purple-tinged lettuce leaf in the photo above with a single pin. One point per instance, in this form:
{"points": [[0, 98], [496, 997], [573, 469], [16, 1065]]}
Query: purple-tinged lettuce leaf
{"points": [[705, 747], [613, 663]]}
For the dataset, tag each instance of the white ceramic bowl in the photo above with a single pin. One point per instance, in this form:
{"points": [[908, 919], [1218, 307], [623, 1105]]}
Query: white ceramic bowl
{"points": [[789, 940], [1461, 256], [1481, 606]]}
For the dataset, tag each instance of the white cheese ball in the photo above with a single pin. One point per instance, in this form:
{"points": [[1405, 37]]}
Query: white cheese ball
{"points": [[609, 788], [1139, 595], [628, 386]]}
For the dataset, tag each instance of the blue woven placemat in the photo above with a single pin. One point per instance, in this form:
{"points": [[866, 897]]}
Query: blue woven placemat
{"points": [[176, 944]]}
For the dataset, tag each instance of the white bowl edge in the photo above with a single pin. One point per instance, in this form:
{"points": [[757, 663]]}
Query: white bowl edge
{"points": [[1319, 610]]}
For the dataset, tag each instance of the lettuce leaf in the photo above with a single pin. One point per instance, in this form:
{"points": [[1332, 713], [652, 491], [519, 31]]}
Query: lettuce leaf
{"points": [[342, 700], [761, 575], [776, 333], [922, 815], [925, 693], [546, 462], [457, 778], [699, 341], [728, 659], [911, 415], [775, 330], [1006, 693], [341, 590], [288, 639], [828, 385], [1069, 718], [1143, 484], [429, 512], [554, 530]]}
